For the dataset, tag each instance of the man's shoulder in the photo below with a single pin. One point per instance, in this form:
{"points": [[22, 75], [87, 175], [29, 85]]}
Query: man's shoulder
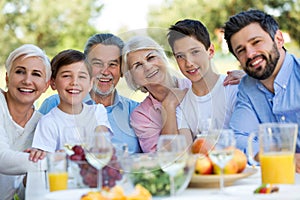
{"points": [[128, 102], [49, 103], [52, 98], [247, 82]]}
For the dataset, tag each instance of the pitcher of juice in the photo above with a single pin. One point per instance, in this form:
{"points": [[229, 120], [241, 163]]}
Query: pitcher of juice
{"points": [[277, 143]]}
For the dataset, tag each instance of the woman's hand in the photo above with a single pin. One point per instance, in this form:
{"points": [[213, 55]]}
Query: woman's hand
{"points": [[36, 154], [174, 97], [234, 77]]}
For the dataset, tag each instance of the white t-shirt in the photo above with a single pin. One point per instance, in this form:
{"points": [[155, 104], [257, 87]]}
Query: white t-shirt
{"points": [[217, 105], [14, 139], [58, 128]]}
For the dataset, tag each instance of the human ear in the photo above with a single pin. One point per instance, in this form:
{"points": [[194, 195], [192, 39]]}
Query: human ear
{"points": [[52, 84], [278, 38], [211, 51]]}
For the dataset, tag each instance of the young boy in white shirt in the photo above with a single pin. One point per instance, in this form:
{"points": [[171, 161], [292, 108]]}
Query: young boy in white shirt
{"points": [[72, 78]]}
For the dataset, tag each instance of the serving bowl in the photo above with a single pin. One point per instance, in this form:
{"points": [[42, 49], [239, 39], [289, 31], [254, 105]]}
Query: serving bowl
{"points": [[144, 169], [130, 170]]}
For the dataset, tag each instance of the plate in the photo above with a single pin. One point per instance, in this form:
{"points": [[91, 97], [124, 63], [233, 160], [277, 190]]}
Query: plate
{"points": [[285, 192], [209, 181], [74, 194]]}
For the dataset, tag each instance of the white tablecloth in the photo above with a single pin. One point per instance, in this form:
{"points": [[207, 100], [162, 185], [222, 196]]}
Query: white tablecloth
{"points": [[240, 190]]}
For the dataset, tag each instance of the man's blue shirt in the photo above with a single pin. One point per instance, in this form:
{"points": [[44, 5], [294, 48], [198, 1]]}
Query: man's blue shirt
{"points": [[256, 105], [118, 116]]}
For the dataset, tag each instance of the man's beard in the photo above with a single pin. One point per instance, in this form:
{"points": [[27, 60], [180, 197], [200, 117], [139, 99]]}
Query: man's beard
{"points": [[101, 93], [270, 66]]}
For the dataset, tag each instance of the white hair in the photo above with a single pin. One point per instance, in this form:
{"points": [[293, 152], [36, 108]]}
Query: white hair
{"points": [[137, 43], [28, 50]]}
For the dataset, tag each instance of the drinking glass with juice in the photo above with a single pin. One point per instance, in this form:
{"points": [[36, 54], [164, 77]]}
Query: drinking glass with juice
{"points": [[277, 168], [57, 171]]}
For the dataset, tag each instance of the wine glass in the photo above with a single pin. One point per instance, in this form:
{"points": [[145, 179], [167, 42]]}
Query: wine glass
{"points": [[203, 126], [99, 151], [222, 151], [74, 135], [172, 156]]}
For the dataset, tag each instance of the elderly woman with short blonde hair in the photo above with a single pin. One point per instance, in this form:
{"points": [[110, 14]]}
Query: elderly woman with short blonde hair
{"points": [[146, 68], [28, 72]]}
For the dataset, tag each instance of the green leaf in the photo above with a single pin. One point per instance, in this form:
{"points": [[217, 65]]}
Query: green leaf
{"points": [[16, 197]]}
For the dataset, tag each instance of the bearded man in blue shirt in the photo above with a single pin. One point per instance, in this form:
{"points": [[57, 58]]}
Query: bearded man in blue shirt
{"points": [[103, 52], [270, 91]]}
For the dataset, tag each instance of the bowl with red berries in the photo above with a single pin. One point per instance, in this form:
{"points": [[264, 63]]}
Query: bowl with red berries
{"points": [[84, 175]]}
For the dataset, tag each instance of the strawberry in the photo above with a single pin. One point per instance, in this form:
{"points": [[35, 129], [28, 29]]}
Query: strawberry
{"points": [[263, 190]]}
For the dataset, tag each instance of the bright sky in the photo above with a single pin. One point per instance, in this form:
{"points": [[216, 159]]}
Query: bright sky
{"points": [[128, 13]]}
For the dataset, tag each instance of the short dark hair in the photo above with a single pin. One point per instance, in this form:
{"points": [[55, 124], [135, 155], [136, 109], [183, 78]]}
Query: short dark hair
{"points": [[244, 18], [189, 27], [67, 57]]}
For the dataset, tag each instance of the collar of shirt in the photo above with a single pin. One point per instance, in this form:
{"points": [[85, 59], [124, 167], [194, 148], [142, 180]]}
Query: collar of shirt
{"points": [[156, 104], [117, 101], [282, 77], [284, 73]]}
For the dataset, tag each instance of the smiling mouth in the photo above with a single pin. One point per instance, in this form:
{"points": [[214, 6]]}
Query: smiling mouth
{"points": [[256, 62], [26, 90], [152, 74], [193, 71], [72, 91], [104, 79]]}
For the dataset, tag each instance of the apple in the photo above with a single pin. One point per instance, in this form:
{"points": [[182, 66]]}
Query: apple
{"points": [[241, 159], [201, 146], [230, 168], [203, 165]]}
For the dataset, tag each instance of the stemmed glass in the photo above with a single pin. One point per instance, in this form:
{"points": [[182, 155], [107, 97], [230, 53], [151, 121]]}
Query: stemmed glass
{"points": [[203, 126], [99, 151], [222, 151], [172, 156]]}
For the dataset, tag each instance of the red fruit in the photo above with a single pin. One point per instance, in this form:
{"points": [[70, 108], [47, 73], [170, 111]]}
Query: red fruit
{"points": [[75, 157], [263, 190], [78, 150]]}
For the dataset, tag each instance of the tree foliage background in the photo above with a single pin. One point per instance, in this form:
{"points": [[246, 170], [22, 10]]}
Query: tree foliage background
{"points": [[214, 13], [53, 25]]}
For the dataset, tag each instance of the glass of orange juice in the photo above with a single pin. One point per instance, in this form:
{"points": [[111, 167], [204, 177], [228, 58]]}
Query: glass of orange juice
{"points": [[57, 171], [277, 143]]}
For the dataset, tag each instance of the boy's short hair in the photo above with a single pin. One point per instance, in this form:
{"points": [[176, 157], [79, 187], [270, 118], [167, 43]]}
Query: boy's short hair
{"points": [[191, 28], [68, 57]]}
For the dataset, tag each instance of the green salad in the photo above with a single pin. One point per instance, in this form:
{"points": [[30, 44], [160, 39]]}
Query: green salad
{"points": [[157, 181]]}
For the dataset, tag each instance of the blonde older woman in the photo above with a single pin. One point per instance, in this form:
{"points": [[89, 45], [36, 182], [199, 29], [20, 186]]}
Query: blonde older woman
{"points": [[28, 72], [146, 68]]}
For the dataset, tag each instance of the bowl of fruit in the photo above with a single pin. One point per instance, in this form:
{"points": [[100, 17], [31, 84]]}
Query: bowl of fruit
{"points": [[84, 175], [144, 169], [128, 171], [207, 173]]}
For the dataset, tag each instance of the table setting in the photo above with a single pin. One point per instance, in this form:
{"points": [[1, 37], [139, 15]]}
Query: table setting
{"points": [[172, 172]]}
